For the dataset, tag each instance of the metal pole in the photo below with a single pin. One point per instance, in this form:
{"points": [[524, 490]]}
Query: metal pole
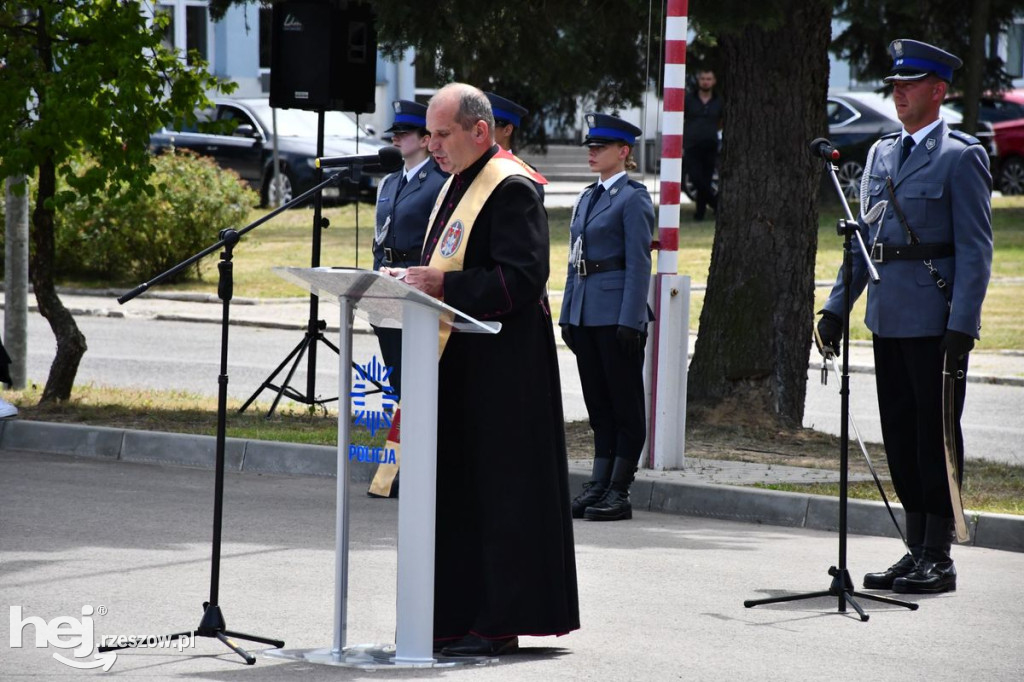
{"points": [[669, 342]]}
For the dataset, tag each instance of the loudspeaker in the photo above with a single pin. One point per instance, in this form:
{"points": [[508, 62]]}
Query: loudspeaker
{"points": [[323, 56]]}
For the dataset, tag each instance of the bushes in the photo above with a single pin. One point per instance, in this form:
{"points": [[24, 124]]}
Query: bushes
{"points": [[123, 240]]}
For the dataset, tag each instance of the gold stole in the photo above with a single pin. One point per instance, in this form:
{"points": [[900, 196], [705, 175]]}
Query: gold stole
{"points": [[448, 257]]}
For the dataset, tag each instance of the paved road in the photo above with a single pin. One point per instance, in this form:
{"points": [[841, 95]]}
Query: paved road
{"points": [[185, 356], [661, 596]]}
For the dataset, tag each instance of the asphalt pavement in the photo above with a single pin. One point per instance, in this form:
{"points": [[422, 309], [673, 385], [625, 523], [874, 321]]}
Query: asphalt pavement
{"points": [[94, 549]]}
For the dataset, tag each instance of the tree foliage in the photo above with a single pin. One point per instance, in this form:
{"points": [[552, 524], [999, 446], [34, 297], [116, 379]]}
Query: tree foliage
{"points": [[945, 23], [83, 76], [543, 55]]}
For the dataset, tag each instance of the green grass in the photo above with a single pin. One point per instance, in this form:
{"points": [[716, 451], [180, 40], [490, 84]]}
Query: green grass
{"points": [[988, 486], [287, 239]]}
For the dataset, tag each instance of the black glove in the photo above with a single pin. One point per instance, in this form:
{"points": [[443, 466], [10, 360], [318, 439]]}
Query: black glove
{"points": [[956, 344], [567, 337], [631, 341], [830, 329]]}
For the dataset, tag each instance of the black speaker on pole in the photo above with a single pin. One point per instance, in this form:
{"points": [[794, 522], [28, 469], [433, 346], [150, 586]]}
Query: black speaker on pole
{"points": [[323, 56]]}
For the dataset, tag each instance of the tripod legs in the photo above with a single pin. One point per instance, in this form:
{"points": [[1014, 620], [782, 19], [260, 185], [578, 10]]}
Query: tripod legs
{"points": [[841, 587], [285, 389], [212, 625]]}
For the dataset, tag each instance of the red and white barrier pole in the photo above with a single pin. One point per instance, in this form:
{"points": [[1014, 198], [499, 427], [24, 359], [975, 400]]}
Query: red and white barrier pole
{"points": [[670, 293]]}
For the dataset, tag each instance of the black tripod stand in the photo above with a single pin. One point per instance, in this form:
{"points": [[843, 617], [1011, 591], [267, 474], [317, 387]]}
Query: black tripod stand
{"points": [[315, 327], [842, 584], [212, 623]]}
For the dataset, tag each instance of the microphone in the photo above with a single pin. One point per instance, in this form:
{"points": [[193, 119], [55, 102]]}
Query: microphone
{"points": [[823, 148], [387, 159]]}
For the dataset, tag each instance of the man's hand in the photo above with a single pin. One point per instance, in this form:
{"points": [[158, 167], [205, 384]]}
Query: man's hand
{"points": [[956, 344], [428, 280], [830, 331], [632, 341]]}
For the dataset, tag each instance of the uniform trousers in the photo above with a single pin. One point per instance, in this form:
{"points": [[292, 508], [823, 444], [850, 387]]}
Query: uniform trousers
{"points": [[613, 390], [908, 376]]}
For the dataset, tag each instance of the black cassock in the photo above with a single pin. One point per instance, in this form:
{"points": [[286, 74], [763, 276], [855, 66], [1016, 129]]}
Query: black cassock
{"points": [[504, 562]]}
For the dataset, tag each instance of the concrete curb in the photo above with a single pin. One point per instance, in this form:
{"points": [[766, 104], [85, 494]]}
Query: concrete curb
{"points": [[729, 502]]}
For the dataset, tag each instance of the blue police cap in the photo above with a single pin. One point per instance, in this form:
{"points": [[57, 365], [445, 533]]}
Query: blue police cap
{"points": [[605, 129], [408, 116], [506, 110], [912, 60]]}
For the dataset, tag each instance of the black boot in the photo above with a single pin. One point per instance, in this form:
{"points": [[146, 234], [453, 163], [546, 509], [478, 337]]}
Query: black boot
{"points": [[595, 488], [906, 565], [935, 572], [615, 506]]}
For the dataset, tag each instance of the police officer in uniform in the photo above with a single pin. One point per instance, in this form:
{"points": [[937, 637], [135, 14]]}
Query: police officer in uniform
{"points": [[605, 314], [508, 118], [404, 201], [935, 229]]}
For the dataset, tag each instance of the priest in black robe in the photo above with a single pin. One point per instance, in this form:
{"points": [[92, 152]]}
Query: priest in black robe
{"points": [[504, 556]]}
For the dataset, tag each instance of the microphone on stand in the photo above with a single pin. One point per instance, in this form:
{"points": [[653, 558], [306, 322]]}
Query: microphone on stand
{"points": [[386, 160], [823, 148]]}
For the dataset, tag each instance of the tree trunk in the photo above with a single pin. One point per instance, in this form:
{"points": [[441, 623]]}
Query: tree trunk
{"points": [[755, 328], [975, 65], [70, 341]]}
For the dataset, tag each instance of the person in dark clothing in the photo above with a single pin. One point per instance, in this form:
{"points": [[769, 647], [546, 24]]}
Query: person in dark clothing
{"points": [[702, 112], [404, 201], [504, 556]]}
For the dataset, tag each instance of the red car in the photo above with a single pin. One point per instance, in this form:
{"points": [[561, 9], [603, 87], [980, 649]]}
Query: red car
{"points": [[1006, 113]]}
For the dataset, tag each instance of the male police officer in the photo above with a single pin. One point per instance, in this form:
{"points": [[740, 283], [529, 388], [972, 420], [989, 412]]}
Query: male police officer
{"points": [[404, 201], [932, 245]]}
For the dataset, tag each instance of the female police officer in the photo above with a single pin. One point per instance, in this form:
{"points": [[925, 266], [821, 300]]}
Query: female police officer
{"points": [[604, 313]]}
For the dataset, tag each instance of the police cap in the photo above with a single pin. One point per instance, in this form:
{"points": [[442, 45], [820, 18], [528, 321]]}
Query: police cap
{"points": [[408, 116], [913, 60], [604, 129], [506, 110]]}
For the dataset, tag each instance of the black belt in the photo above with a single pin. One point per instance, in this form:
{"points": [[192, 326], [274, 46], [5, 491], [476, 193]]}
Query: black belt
{"points": [[883, 253], [396, 256], [592, 267]]}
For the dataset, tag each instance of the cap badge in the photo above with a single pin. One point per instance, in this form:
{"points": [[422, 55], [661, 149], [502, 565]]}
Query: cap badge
{"points": [[590, 120], [897, 47], [397, 106]]}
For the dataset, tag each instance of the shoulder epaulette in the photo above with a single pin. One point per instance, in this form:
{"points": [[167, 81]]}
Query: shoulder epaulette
{"points": [[890, 135], [964, 137]]}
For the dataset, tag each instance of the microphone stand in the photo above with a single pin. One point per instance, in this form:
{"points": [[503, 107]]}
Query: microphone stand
{"points": [[842, 584], [212, 623]]}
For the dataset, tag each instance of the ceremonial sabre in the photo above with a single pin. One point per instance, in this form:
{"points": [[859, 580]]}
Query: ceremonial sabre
{"points": [[950, 373]]}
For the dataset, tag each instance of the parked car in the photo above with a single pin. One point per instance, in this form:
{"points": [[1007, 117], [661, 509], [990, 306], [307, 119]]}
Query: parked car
{"points": [[1010, 140], [857, 119], [244, 142], [1005, 112], [1006, 106]]}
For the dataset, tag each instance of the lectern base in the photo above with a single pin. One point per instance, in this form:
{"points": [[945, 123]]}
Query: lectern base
{"points": [[373, 657]]}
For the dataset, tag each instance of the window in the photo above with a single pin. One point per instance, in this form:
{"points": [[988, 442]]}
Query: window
{"points": [[839, 113], [187, 29]]}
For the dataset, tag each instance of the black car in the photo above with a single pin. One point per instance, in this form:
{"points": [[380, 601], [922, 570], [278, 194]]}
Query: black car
{"points": [[857, 119], [244, 142]]}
